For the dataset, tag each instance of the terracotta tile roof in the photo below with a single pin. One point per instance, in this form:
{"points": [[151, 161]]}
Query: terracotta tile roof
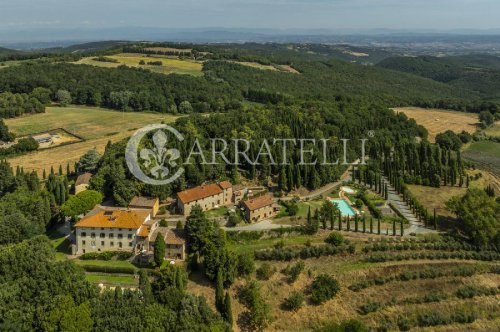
{"points": [[258, 202], [159, 230], [144, 230], [83, 179], [114, 219], [197, 193], [175, 236], [143, 201], [225, 185]]}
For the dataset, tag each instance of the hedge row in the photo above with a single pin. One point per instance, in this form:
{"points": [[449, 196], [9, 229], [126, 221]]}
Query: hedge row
{"points": [[441, 245], [110, 269], [287, 254], [106, 255], [429, 273], [465, 292], [479, 256]]}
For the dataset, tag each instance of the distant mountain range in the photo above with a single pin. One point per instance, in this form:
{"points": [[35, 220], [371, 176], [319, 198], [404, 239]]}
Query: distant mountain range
{"points": [[51, 37]]}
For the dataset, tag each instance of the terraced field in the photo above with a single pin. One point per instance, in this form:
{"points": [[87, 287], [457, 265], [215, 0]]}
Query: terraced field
{"points": [[430, 285]]}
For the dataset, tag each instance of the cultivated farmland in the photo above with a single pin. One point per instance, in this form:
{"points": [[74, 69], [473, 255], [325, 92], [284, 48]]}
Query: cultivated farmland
{"points": [[437, 121], [95, 125], [169, 65]]}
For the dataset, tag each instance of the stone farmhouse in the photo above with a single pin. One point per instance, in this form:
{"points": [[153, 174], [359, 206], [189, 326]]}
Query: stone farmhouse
{"points": [[258, 208], [209, 196]]}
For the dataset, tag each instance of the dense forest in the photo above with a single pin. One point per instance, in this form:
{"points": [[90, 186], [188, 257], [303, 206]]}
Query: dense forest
{"points": [[480, 74]]}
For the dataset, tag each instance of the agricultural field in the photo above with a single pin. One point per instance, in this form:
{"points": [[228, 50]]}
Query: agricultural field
{"points": [[96, 126], [378, 293], [436, 198], [170, 65], [437, 121], [493, 130], [272, 67]]}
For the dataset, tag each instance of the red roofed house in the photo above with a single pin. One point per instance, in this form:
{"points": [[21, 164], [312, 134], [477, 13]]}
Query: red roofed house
{"points": [[258, 208], [208, 196]]}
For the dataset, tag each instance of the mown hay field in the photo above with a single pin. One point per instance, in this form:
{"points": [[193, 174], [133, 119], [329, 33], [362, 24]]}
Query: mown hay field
{"points": [[437, 121], [170, 65], [96, 126]]}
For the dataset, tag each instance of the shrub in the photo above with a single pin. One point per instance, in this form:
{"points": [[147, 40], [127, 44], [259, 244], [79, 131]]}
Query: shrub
{"points": [[293, 272], [335, 239], [323, 288], [245, 264], [294, 302], [368, 307], [265, 271]]}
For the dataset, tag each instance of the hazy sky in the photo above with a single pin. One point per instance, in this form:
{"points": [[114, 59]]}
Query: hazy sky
{"points": [[282, 14]]}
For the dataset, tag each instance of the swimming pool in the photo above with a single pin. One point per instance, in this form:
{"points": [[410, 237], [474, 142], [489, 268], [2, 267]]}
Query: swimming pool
{"points": [[344, 207]]}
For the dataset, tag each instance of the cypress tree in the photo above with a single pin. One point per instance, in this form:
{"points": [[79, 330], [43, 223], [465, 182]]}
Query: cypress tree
{"points": [[332, 221], [159, 250], [394, 227], [356, 223], [402, 229], [364, 224], [219, 293], [228, 312], [67, 169], [340, 221], [378, 225], [435, 219], [348, 223], [60, 170], [44, 174], [371, 225]]}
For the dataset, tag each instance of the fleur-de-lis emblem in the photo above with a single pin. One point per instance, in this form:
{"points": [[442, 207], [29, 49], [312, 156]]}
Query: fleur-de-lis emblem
{"points": [[159, 158]]}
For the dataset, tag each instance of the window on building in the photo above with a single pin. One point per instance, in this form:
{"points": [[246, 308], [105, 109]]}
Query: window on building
{"points": [[92, 235], [83, 234], [111, 235], [83, 243], [120, 245], [130, 244], [120, 236], [102, 243], [102, 235], [83, 250], [129, 236], [111, 243]]}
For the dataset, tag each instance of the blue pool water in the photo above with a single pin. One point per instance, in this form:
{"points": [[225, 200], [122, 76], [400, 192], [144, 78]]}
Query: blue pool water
{"points": [[344, 207]]}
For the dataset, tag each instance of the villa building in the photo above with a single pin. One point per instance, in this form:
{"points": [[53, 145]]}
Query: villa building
{"points": [[114, 229], [210, 196], [258, 208]]}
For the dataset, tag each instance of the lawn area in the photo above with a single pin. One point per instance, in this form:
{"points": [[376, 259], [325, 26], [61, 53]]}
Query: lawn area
{"points": [[304, 207], [486, 147], [169, 64], [216, 213], [96, 125], [60, 243], [251, 246], [98, 278]]}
